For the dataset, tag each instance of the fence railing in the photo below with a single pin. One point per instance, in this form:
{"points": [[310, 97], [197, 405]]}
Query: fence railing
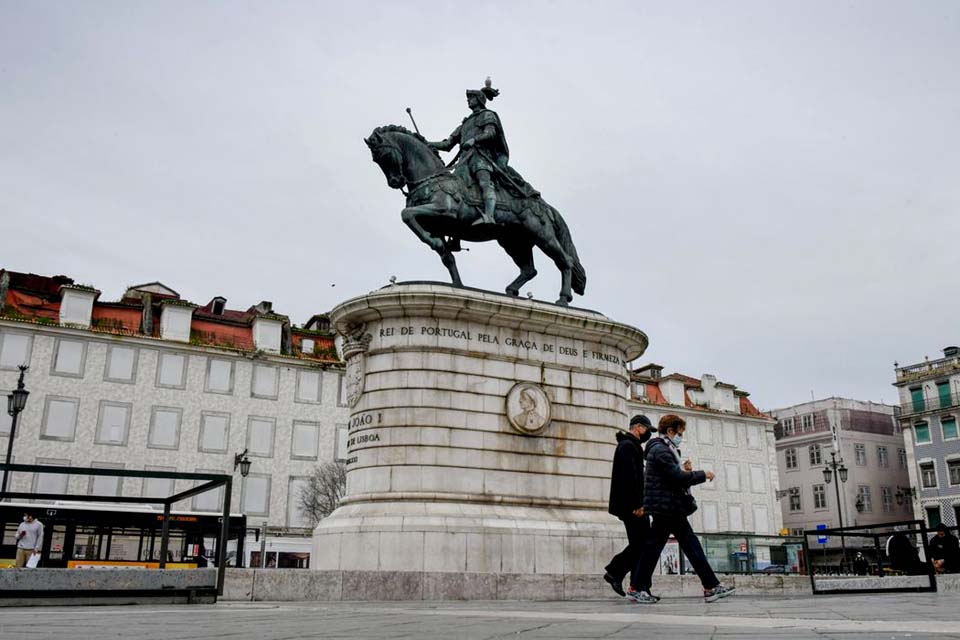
{"points": [[931, 403]]}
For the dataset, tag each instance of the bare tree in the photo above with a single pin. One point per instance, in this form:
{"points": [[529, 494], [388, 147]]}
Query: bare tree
{"points": [[323, 491]]}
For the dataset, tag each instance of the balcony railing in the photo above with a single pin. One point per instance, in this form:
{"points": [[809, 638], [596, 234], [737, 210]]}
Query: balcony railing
{"points": [[928, 368], [932, 403]]}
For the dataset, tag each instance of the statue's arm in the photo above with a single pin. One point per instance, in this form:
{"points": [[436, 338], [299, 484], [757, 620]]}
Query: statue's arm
{"points": [[449, 143]]}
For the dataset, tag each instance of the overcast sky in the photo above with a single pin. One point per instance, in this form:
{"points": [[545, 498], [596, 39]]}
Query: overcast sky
{"points": [[769, 190]]}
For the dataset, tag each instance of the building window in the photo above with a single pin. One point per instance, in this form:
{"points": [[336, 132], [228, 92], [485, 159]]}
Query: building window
{"points": [[68, 357], [260, 436], [933, 517], [51, 482], [753, 436], [305, 440], [948, 424], [171, 370], [795, 502], [214, 432], [342, 398], [113, 423], [860, 454], [866, 500], [882, 457], [943, 393], [922, 429], [761, 521], [731, 472], [928, 476], [343, 434], [916, 397], [788, 426], [815, 455], [265, 379], [705, 431], [60, 418], [121, 365], [729, 434], [308, 386], [953, 468], [735, 517], [790, 456], [164, 428], [806, 422], [295, 515], [757, 483], [14, 350], [886, 499], [819, 496], [209, 500], [219, 376], [902, 456], [710, 516], [796, 531], [256, 495], [307, 345], [105, 485], [157, 487]]}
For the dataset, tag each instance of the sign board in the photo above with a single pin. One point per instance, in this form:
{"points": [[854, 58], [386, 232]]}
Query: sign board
{"points": [[821, 539]]}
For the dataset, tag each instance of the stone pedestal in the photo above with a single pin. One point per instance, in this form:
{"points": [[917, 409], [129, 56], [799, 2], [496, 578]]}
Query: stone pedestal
{"points": [[481, 434]]}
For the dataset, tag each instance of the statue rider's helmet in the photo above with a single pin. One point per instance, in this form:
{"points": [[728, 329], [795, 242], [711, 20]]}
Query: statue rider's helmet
{"points": [[484, 94]]}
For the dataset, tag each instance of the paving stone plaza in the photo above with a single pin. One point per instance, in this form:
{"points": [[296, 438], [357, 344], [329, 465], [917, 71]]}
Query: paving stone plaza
{"points": [[869, 616]]}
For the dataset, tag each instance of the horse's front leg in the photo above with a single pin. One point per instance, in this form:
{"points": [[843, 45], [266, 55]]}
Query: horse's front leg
{"points": [[410, 217]]}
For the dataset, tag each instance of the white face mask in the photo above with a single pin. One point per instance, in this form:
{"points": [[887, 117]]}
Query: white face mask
{"points": [[677, 439]]}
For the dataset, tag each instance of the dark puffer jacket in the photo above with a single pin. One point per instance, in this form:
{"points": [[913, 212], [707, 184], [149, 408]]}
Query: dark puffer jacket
{"points": [[666, 481], [626, 481]]}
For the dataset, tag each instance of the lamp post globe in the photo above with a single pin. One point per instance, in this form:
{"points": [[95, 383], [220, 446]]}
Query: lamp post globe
{"points": [[843, 474], [827, 475]]}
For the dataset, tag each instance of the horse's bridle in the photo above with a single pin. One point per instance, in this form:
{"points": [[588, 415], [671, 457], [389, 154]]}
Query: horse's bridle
{"points": [[412, 185]]}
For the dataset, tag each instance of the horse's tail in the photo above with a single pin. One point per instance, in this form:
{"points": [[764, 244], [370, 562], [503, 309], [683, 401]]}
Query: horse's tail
{"points": [[579, 275]]}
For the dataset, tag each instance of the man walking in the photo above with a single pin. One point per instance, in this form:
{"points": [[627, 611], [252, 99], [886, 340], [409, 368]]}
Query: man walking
{"points": [[626, 498], [668, 502], [29, 539]]}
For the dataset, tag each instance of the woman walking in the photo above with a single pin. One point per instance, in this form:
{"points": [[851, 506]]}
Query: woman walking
{"points": [[667, 499]]}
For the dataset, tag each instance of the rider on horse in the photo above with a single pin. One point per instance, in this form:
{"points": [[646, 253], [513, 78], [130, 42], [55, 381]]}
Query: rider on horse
{"points": [[483, 155]]}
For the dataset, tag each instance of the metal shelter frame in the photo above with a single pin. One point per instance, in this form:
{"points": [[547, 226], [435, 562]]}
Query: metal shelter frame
{"points": [[907, 527], [209, 482]]}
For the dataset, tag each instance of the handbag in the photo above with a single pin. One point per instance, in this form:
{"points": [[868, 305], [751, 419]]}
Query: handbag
{"points": [[688, 504]]}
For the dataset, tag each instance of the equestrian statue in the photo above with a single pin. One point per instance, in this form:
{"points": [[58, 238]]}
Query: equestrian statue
{"points": [[478, 197]]}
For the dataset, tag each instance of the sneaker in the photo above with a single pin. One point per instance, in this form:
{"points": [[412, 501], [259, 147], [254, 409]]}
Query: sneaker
{"points": [[642, 597], [719, 591], [616, 585]]}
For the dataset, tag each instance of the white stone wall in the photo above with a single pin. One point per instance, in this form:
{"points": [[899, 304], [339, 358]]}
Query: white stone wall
{"points": [[705, 446], [144, 394]]}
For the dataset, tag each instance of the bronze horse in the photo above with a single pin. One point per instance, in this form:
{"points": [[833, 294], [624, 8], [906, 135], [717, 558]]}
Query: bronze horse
{"points": [[441, 212]]}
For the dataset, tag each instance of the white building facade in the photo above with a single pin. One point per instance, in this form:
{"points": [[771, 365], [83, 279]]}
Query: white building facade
{"points": [[725, 434], [176, 399], [865, 436]]}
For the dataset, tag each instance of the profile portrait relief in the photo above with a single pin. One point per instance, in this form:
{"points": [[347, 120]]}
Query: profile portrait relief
{"points": [[528, 408]]}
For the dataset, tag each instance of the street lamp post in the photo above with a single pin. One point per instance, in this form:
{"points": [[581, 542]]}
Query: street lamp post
{"points": [[836, 468], [16, 401], [241, 460]]}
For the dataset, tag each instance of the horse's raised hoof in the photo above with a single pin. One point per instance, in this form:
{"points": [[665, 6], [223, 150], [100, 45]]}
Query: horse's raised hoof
{"points": [[513, 292], [563, 301]]}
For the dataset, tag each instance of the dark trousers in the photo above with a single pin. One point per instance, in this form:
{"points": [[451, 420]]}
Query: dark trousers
{"points": [[626, 561], [660, 530]]}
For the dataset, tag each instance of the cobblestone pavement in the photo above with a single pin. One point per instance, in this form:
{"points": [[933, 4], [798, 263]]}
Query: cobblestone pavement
{"points": [[842, 617]]}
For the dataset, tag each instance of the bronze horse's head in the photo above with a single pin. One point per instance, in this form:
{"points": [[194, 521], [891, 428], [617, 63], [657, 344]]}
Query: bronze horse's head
{"points": [[388, 157]]}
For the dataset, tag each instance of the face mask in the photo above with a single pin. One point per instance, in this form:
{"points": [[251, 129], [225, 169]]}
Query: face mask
{"points": [[677, 439], [644, 437]]}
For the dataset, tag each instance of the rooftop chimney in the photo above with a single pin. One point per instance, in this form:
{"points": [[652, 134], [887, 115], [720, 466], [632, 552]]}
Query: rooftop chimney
{"points": [[949, 352]]}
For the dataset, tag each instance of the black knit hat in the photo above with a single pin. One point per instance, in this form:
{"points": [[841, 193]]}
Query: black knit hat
{"points": [[642, 420]]}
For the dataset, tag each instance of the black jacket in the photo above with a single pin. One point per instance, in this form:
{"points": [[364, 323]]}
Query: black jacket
{"points": [[626, 481], [947, 549], [666, 481]]}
